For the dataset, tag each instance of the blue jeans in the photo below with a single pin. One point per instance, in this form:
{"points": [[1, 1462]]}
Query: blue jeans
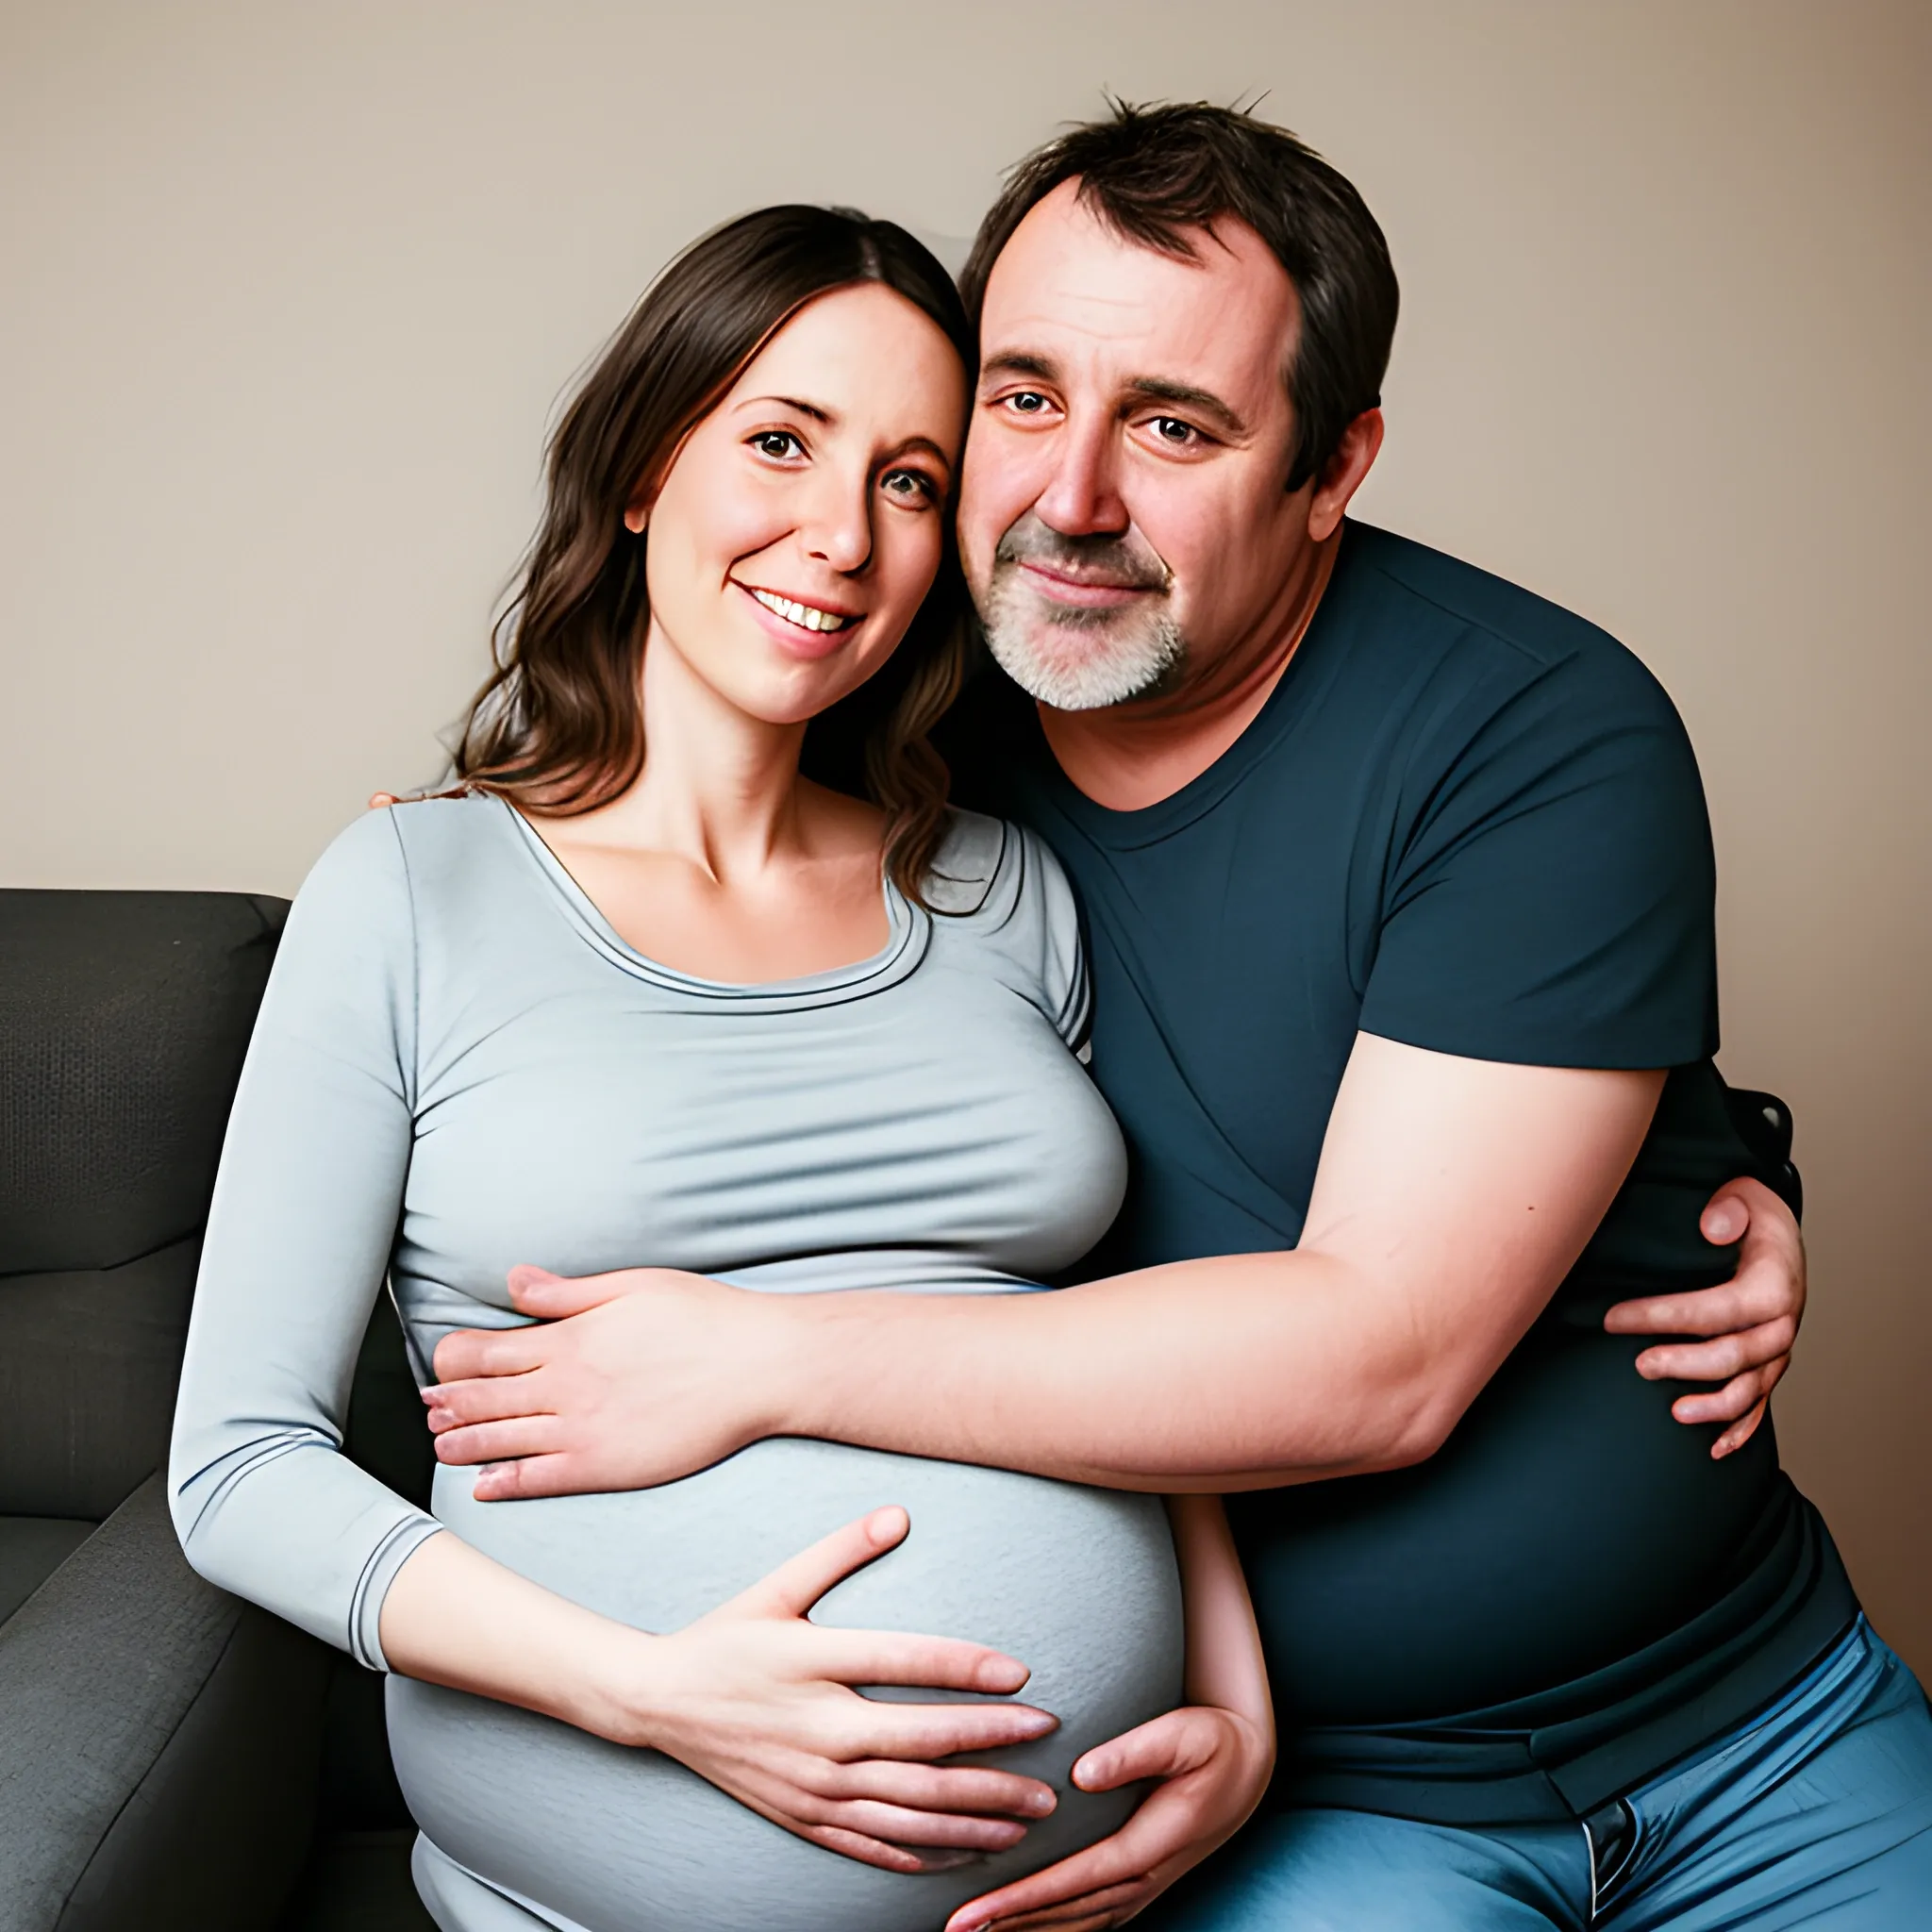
{"points": [[1818, 1812]]}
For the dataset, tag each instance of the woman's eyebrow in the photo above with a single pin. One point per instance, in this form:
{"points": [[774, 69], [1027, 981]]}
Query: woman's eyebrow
{"points": [[817, 411], [924, 443]]}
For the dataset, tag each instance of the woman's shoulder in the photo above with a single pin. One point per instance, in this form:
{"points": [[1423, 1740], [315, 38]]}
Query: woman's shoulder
{"points": [[999, 882], [405, 856], [997, 867]]}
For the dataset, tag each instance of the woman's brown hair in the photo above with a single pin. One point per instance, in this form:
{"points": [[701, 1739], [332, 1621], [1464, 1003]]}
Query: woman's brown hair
{"points": [[559, 723]]}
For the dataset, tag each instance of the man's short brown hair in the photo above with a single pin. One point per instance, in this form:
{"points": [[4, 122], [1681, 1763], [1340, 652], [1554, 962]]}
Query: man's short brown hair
{"points": [[1152, 173]]}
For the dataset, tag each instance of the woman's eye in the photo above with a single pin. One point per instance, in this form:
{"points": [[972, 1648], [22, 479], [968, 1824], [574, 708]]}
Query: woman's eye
{"points": [[909, 486], [777, 444]]}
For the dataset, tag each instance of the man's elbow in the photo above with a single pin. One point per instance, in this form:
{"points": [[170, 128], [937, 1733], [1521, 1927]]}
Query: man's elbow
{"points": [[1407, 1424]]}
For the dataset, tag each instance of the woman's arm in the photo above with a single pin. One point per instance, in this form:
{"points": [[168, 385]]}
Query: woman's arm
{"points": [[266, 1505], [1213, 1756]]}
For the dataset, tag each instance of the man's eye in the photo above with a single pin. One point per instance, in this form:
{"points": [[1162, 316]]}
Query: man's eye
{"points": [[1172, 430], [776, 442], [1027, 403]]}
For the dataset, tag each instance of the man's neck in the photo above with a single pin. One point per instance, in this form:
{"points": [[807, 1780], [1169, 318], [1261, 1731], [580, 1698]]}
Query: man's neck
{"points": [[1128, 756]]}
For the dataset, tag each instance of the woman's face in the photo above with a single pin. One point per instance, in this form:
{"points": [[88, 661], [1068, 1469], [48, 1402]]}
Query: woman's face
{"points": [[801, 522]]}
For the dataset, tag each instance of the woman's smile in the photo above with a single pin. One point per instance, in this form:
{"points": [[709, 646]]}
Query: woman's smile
{"points": [[800, 630]]}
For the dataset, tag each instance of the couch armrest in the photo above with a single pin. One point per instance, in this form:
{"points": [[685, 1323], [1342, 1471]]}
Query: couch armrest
{"points": [[160, 1743]]}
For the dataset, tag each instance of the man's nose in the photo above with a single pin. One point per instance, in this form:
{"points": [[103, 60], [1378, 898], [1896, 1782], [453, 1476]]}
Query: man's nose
{"points": [[1082, 498], [840, 532]]}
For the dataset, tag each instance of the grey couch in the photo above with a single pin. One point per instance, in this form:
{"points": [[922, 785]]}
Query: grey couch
{"points": [[169, 1757]]}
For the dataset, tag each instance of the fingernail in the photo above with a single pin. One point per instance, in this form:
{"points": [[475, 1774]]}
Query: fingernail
{"points": [[1041, 1803]]}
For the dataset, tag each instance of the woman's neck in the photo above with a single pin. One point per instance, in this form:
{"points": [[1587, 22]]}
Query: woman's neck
{"points": [[719, 788]]}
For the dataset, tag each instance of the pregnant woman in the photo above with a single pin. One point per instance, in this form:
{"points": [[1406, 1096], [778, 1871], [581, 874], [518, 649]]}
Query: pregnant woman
{"points": [[640, 990]]}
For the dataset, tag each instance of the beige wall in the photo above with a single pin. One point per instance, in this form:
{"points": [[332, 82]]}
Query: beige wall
{"points": [[290, 293]]}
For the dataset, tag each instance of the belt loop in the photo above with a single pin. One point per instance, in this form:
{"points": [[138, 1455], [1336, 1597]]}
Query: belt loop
{"points": [[1609, 1836]]}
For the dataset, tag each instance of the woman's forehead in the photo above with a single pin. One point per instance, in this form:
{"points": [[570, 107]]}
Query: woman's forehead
{"points": [[862, 350]]}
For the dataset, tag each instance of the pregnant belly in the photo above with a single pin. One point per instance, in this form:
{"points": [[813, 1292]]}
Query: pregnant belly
{"points": [[1080, 1584]]}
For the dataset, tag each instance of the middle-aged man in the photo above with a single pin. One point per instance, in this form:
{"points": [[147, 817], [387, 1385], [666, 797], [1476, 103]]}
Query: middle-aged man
{"points": [[1399, 893]]}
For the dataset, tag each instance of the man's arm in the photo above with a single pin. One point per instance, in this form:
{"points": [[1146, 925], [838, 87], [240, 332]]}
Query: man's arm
{"points": [[1452, 1195]]}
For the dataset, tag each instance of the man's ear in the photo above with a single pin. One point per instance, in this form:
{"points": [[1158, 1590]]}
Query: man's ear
{"points": [[1344, 474]]}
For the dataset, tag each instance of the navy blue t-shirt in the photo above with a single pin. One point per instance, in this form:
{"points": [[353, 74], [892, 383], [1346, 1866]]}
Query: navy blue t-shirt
{"points": [[1468, 821]]}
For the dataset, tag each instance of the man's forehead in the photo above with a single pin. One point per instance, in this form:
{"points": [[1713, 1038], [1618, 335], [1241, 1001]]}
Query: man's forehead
{"points": [[1068, 281]]}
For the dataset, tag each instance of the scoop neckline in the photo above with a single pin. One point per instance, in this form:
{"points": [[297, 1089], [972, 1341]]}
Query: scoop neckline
{"points": [[907, 928]]}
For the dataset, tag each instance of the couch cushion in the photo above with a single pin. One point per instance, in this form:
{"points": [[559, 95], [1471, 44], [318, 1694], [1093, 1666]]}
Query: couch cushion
{"points": [[160, 1742], [124, 1017], [88, 1364], [31, 1549]]}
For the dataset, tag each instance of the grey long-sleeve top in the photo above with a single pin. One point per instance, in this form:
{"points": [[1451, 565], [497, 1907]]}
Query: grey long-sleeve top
{"points": [[460, 1066]]}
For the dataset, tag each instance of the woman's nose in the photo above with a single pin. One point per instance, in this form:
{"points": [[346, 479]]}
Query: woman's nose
{"points": [[841, 531]]}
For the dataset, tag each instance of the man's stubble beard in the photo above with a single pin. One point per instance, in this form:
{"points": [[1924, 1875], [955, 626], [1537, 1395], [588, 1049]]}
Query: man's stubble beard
{"points": [[1072, 659]]}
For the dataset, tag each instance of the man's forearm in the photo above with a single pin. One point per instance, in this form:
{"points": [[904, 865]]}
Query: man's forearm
{"points": [[1238, 1372], [1452, 1197]]}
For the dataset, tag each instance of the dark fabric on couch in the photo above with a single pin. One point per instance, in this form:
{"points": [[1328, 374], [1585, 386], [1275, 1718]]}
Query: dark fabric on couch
{"points": [[160, 1758], [31, 1549], [161, 1740], [164, 1744], [124, 1018]]}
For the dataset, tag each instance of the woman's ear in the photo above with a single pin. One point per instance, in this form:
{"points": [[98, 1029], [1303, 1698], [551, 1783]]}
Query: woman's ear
{"points": [[636, 516]]}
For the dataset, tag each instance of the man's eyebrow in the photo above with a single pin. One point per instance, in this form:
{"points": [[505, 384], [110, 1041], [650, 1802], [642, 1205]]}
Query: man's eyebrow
{"points": [[1158, 388], [1019, 362]]}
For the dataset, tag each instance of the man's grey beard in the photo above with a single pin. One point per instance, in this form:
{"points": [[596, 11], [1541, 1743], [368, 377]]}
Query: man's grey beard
{"points": [[1071, 659]]}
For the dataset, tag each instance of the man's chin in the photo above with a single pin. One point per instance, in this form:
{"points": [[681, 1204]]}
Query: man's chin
{"points": [[1093, 679]]}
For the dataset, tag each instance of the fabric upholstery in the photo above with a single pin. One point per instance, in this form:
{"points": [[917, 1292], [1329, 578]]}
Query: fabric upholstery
{"points": [[162, 1743], [124, 1017], [89, 1363], [31, 1549]]}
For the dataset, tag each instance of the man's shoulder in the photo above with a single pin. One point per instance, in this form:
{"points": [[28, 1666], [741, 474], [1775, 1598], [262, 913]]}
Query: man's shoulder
{"points": [[1421, 600]]}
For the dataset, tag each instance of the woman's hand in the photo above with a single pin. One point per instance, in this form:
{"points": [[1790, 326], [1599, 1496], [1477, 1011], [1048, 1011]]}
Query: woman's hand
{"points": [[759, 1701], [1213, 1765], [753, 1696], [1753, 1318]]}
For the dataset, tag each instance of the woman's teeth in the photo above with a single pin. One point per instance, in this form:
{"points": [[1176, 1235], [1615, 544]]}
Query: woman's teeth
{"points": [[806, 616]]}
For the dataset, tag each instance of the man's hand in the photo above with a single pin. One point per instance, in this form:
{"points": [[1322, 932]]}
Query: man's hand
{"points": [[1754, 1317], [556, 1408], [1213, 1765]]}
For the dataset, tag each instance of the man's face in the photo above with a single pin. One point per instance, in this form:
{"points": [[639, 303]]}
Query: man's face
{"points": [[1123, 517]]}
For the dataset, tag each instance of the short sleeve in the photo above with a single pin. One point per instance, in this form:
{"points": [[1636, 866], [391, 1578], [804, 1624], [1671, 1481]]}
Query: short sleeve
{"points": [[1551, 902]]}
